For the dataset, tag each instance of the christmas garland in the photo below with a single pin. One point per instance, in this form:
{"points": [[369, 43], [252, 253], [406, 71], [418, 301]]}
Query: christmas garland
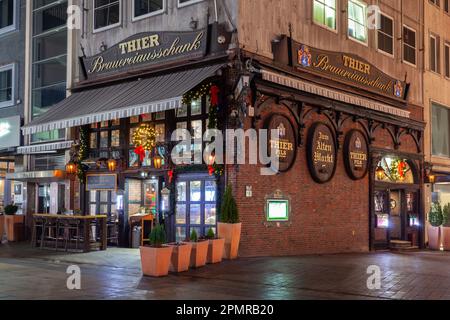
{"points": [[398, 170], [83, 153], [196, 93], [214, 168]]}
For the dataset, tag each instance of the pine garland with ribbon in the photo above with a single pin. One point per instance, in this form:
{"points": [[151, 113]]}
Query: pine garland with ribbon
{"points": [[214, 168], [398, 170], [196, 93], [83, 153]]}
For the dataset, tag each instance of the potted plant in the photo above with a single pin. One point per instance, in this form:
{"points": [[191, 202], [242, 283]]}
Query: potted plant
{"points": [[215, 247], [435, 221], [199, 250], [155, 258], [229, 226], [11, 222], [181, 256], [445, 229]]}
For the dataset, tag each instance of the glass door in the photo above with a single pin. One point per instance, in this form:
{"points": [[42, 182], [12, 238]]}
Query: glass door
{"points": [[196, 206], [44, 198], [395, 220]]}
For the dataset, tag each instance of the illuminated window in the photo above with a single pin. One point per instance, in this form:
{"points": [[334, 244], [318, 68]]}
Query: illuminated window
{"points": [[324, 13], [357, 20], [394, 170]]}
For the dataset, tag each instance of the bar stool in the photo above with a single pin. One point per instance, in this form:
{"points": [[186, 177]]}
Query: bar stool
{"points": [[50, 226], [38, 224], [71, 231], [112, 226]]}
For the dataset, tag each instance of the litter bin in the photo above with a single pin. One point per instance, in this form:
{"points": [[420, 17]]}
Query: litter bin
{"points": [[136, 237]]}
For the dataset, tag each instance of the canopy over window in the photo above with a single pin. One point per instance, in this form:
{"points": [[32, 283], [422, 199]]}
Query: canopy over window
{"points": [[121, 100]]}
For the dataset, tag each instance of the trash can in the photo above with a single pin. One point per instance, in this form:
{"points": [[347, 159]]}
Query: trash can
{"points": [[136, 237]]}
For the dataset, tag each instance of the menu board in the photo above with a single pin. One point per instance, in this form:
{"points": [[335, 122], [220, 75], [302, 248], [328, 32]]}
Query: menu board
{"points": [[101, 182]]}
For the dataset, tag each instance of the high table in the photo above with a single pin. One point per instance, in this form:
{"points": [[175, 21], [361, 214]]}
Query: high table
{"points": [[85, 225]]}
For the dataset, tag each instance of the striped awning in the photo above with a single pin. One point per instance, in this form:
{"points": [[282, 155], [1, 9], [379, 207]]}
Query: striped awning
{"points": [[122, 100], [46, 147]]}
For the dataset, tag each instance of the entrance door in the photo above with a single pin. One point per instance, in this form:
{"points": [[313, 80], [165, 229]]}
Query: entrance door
{"points": [[396, 217], [44, 198], [196, 203]]}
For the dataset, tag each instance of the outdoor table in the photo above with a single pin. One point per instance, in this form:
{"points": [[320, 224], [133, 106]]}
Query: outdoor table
{"points": [[86, 224]]}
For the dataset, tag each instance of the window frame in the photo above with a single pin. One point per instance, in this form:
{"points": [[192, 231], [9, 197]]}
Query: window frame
{"points": [[324, 25], [187, 3], [434, 103], [437, 55], [14, 25], [111, 26], [447, 61], [147, 15], [393, 37], [404, 43], [12, 67], [365, 43], [435, 3]]}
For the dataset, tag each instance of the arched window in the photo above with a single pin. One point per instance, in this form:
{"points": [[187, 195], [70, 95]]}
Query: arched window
{"points": [[394, 170]]}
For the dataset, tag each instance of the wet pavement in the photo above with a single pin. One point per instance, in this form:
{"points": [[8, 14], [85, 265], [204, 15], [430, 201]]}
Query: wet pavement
{"points": [[27, 273]]}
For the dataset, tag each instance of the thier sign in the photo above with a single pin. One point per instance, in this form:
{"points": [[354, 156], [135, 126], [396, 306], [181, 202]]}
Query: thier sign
{"points": [[146, 49], [356, 154], [101, 182], [347, 68], [321, 153], [286, 145]]}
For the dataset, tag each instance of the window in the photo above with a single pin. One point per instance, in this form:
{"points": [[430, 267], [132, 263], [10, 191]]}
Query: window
{"points": [[7, 86], [409, 45], [106, 14], [7, 15], [447, 60], [385, 35], [447, 6], [102, 202], [357, 27], [147, 8], [325, 13], [182, 3], [49, 61], [435, 2], [434, 54], [104, 140], [440, 135]]}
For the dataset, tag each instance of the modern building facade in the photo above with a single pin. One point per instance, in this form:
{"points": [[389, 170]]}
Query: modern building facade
{"points": [[12, 72]]}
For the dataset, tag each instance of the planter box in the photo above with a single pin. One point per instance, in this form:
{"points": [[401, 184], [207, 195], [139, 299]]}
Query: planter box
{"points": [[215, 250], [12, 226], [445, 235], [434, 241], [199, 253], [181, 257], [2, 227], [155, 261], [231, 232]]}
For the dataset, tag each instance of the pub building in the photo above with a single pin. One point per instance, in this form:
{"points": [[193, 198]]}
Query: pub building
{"points": [[122, 113]]}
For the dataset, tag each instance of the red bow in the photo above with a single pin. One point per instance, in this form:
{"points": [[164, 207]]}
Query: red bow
{"points": [[214, 95], [140, 151], [170, 174], [401, 168], [210, 170]]}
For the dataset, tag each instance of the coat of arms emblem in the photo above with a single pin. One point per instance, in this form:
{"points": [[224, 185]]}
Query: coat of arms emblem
{"points": [[304, 56], [398, 89]]}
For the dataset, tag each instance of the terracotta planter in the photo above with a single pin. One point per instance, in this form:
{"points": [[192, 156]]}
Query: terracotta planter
{"points": [[181, 257], [434, 241], [215, 250], [11, 223], [199, 253], [2, 227], [155, 261], [231, 232], [445, 236]]}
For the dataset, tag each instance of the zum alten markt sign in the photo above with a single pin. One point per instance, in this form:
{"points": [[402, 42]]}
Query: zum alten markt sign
{"points": [[347, 68], [146, 49], [321, 152]]}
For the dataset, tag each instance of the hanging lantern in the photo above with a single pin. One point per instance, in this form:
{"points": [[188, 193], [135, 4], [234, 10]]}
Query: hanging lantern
{"points": [[380, 173], [157, 161], [112, 164], [71, 168]]}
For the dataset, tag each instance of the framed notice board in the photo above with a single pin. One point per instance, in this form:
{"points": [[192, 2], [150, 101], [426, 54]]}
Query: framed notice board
{"points": [[106, 182]]}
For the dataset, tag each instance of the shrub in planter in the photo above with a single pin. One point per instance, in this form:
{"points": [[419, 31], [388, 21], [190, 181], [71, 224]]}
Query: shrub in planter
{"points": [[215, 247], [435, 221], [155, 259], [199, 250], [445, 229], [181, 256], [229, 226]]}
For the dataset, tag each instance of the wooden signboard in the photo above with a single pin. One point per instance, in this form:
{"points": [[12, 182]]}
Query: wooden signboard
{"points": [[105, 182], [286, 144], [356, 154], [321, 152]]}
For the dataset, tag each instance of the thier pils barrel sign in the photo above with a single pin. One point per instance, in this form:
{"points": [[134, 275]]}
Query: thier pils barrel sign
{"points": [[285, 145], [356, 153], [321, 152], [146, 49]]}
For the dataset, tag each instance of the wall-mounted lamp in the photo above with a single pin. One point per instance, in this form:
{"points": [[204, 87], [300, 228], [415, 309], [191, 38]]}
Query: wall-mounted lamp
{"points": [[112, 165], [71, 168], [380, 173]]}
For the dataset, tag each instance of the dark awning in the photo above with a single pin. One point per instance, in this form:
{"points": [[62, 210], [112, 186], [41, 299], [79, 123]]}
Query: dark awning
{"points": [[121, 100]]}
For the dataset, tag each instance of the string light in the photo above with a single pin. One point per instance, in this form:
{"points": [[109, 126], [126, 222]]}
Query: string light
{"points": [[196, 93], [145, 136]]}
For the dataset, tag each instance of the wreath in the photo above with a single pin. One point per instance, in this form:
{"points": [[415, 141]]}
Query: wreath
{"points": [[144, 138]]}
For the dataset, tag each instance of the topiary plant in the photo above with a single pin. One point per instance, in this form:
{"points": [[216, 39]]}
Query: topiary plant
{"points": [[446, 216], [228, 211], [194, 236], [210, 235], [157, 236], [435, 216]]}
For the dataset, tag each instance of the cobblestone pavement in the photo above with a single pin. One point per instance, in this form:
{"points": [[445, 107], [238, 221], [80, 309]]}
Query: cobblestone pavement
{"points": [[26, 273]]}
